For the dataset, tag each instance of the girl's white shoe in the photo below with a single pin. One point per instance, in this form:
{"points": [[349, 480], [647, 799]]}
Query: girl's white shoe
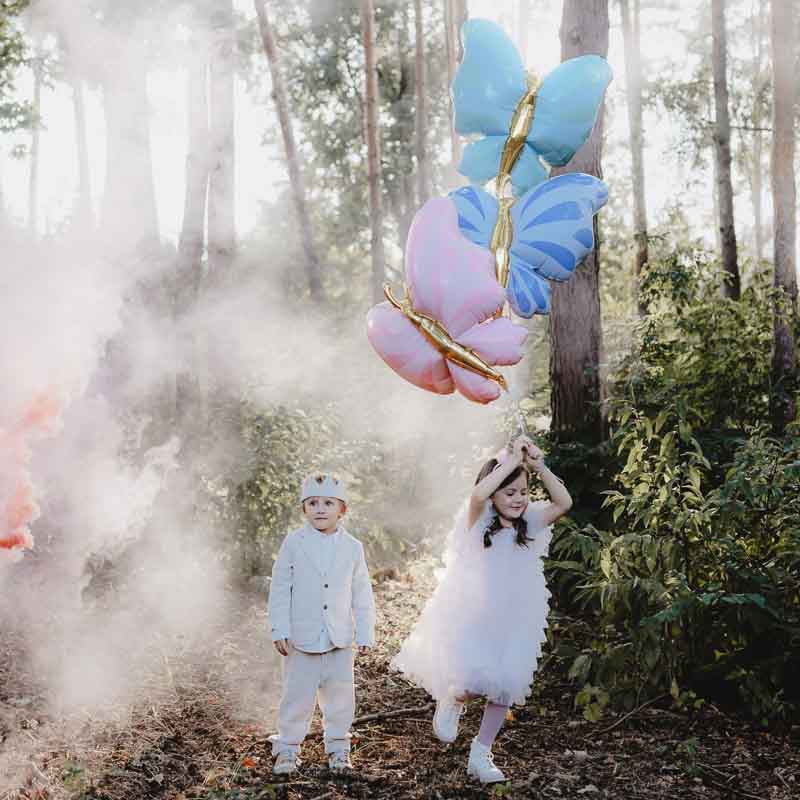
{"points": [[339, 762], [480, 764], [285, 763], [446, 718]]}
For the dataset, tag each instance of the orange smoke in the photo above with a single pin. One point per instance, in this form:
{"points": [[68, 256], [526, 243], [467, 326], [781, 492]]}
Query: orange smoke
{"points": [[18, 508]]}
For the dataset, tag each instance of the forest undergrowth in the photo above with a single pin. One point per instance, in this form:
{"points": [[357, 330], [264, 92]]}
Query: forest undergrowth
{"points": [[199, 729]]}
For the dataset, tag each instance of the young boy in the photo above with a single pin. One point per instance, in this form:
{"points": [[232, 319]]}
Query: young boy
{"points": [[320, 598]]}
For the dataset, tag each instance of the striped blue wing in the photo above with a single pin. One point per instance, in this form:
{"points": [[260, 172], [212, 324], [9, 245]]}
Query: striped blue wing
{"points": [[477, 213], [527, 292], [553, 224], [552, 233]]}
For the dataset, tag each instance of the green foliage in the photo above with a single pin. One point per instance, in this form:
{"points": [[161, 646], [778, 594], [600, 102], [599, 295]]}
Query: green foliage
{"points": [[13, 55], [326, 102], [692, 568], [258, 501]]}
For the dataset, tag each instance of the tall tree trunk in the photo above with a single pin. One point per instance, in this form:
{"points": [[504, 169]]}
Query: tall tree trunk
{"points": [[2, 196], [633, 83], [523, 27], [33, 176], [128, 217], [784, 199], [420, 110], [460, 16], [83, 212], [221, 187], [722, 140], [373, 149], [756, 180], [292, 161], [192, 236], [576, 337], [451, 36]]}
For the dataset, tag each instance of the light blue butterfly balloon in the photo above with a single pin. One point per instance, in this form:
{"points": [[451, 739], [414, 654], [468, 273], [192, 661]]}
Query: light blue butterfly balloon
{"points": [[489, 84], [552, 233]]}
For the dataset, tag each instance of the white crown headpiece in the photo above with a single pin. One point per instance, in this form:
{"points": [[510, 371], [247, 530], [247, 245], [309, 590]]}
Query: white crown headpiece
{"points": [[323, 484]]}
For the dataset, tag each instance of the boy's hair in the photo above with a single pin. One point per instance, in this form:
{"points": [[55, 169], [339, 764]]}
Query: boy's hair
{"points": [[494, 526]]}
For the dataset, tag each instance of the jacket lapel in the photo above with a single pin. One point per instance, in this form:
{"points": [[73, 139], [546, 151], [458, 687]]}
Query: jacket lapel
{"points": [[307, 544], [339, 548]]}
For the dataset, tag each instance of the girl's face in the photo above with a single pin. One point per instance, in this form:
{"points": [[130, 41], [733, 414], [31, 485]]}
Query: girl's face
{"points": [[323, 512], [512, 500]]}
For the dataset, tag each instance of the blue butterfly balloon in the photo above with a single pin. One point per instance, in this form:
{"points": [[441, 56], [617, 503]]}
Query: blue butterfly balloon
{"points": [[552, 233], [489, 84]]}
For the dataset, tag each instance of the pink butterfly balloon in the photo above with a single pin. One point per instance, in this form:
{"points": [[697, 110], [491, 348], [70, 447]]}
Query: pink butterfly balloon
{"points": [[451, 280]]}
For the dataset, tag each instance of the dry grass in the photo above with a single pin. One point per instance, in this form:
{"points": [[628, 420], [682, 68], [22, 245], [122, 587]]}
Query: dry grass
{"points": [[198, 730]]}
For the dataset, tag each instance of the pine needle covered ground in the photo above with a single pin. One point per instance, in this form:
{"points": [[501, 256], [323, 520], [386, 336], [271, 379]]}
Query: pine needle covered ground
{"points": [[200, 727]]}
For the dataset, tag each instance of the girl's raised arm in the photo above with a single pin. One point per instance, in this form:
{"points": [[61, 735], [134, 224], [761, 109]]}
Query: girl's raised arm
{"points": [[560, 500]]}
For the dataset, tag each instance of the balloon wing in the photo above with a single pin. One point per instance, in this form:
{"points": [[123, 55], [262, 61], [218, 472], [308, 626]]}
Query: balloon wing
{"points": [[449, 280], [567, 104], [489, 84], [552, 226]]}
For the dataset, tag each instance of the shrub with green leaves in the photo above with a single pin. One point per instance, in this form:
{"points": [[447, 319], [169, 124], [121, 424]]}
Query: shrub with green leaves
{"points": [[692, 570]]}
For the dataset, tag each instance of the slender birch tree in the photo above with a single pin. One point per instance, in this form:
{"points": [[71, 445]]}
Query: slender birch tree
{"points": [[192, 235], [784, 203], [33, 175], [373, 149], [420, 107], [633, 86], [290, 148], [221, 186], [722, 141]]}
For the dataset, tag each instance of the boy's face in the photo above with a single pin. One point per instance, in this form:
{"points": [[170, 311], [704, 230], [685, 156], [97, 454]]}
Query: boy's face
{"points": [[324, 513]]}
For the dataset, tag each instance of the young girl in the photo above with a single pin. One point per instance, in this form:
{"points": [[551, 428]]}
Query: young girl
{"points": [[480, 634]]}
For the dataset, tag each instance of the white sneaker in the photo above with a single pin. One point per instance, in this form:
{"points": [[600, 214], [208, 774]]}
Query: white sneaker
{"points": [[286, 763], [480, 764], [446, 718], [339, 762]]}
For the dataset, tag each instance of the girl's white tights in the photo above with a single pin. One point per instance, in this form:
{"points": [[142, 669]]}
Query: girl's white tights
{"points": [[493, 717]]}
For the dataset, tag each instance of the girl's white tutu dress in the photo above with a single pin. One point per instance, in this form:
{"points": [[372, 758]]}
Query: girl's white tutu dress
{"points": [[483, 627]]}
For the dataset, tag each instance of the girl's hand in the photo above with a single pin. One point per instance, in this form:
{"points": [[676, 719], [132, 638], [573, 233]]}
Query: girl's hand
{"points": [[535, 458], [521, 446], [282, 646]]}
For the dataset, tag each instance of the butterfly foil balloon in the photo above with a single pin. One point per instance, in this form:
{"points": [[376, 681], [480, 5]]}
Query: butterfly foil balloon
{"points": [[492, 97], [445, 335], [551, 228]]}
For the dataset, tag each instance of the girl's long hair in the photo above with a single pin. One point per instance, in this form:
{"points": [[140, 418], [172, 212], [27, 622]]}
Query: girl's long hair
{"points": [[520, 525]]}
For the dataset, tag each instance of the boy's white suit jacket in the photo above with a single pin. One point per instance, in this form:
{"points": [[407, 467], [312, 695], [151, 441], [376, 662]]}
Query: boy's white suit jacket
{"points": [[302, 599]]}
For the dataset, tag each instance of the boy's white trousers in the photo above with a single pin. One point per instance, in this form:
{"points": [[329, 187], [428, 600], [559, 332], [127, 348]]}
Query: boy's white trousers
{"points": [[308, 677]]}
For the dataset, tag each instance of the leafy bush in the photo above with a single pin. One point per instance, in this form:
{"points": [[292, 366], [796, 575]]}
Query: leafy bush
{"points": [[692, 568]]}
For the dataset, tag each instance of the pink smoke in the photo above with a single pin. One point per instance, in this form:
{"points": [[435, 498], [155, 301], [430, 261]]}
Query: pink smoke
{"points": [[18, 508]]}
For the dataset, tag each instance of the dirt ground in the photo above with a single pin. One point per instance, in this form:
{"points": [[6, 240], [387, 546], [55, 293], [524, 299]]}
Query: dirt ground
{"points": [[200, 727]]}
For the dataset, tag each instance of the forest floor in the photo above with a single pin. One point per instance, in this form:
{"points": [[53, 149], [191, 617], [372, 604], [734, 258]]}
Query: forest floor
{"points": [[199, 730]]}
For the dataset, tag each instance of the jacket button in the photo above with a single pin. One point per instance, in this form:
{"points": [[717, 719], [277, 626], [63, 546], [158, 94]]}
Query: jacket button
{"points": [[326, 585], [324, 607]]}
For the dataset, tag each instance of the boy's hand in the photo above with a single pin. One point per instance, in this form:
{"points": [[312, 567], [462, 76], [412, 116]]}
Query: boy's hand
{"points": [[282, 646], [363, 649]]}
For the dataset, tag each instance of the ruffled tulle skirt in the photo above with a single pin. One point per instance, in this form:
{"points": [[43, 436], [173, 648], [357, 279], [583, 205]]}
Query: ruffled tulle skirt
{"points": [[482, 630]]}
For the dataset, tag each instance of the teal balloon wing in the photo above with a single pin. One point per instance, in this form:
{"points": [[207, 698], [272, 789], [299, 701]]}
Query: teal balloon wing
{"points": [[487, 87]]}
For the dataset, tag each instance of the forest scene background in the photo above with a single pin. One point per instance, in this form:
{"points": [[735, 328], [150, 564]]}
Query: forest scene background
{"points": [[188, 249]]}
